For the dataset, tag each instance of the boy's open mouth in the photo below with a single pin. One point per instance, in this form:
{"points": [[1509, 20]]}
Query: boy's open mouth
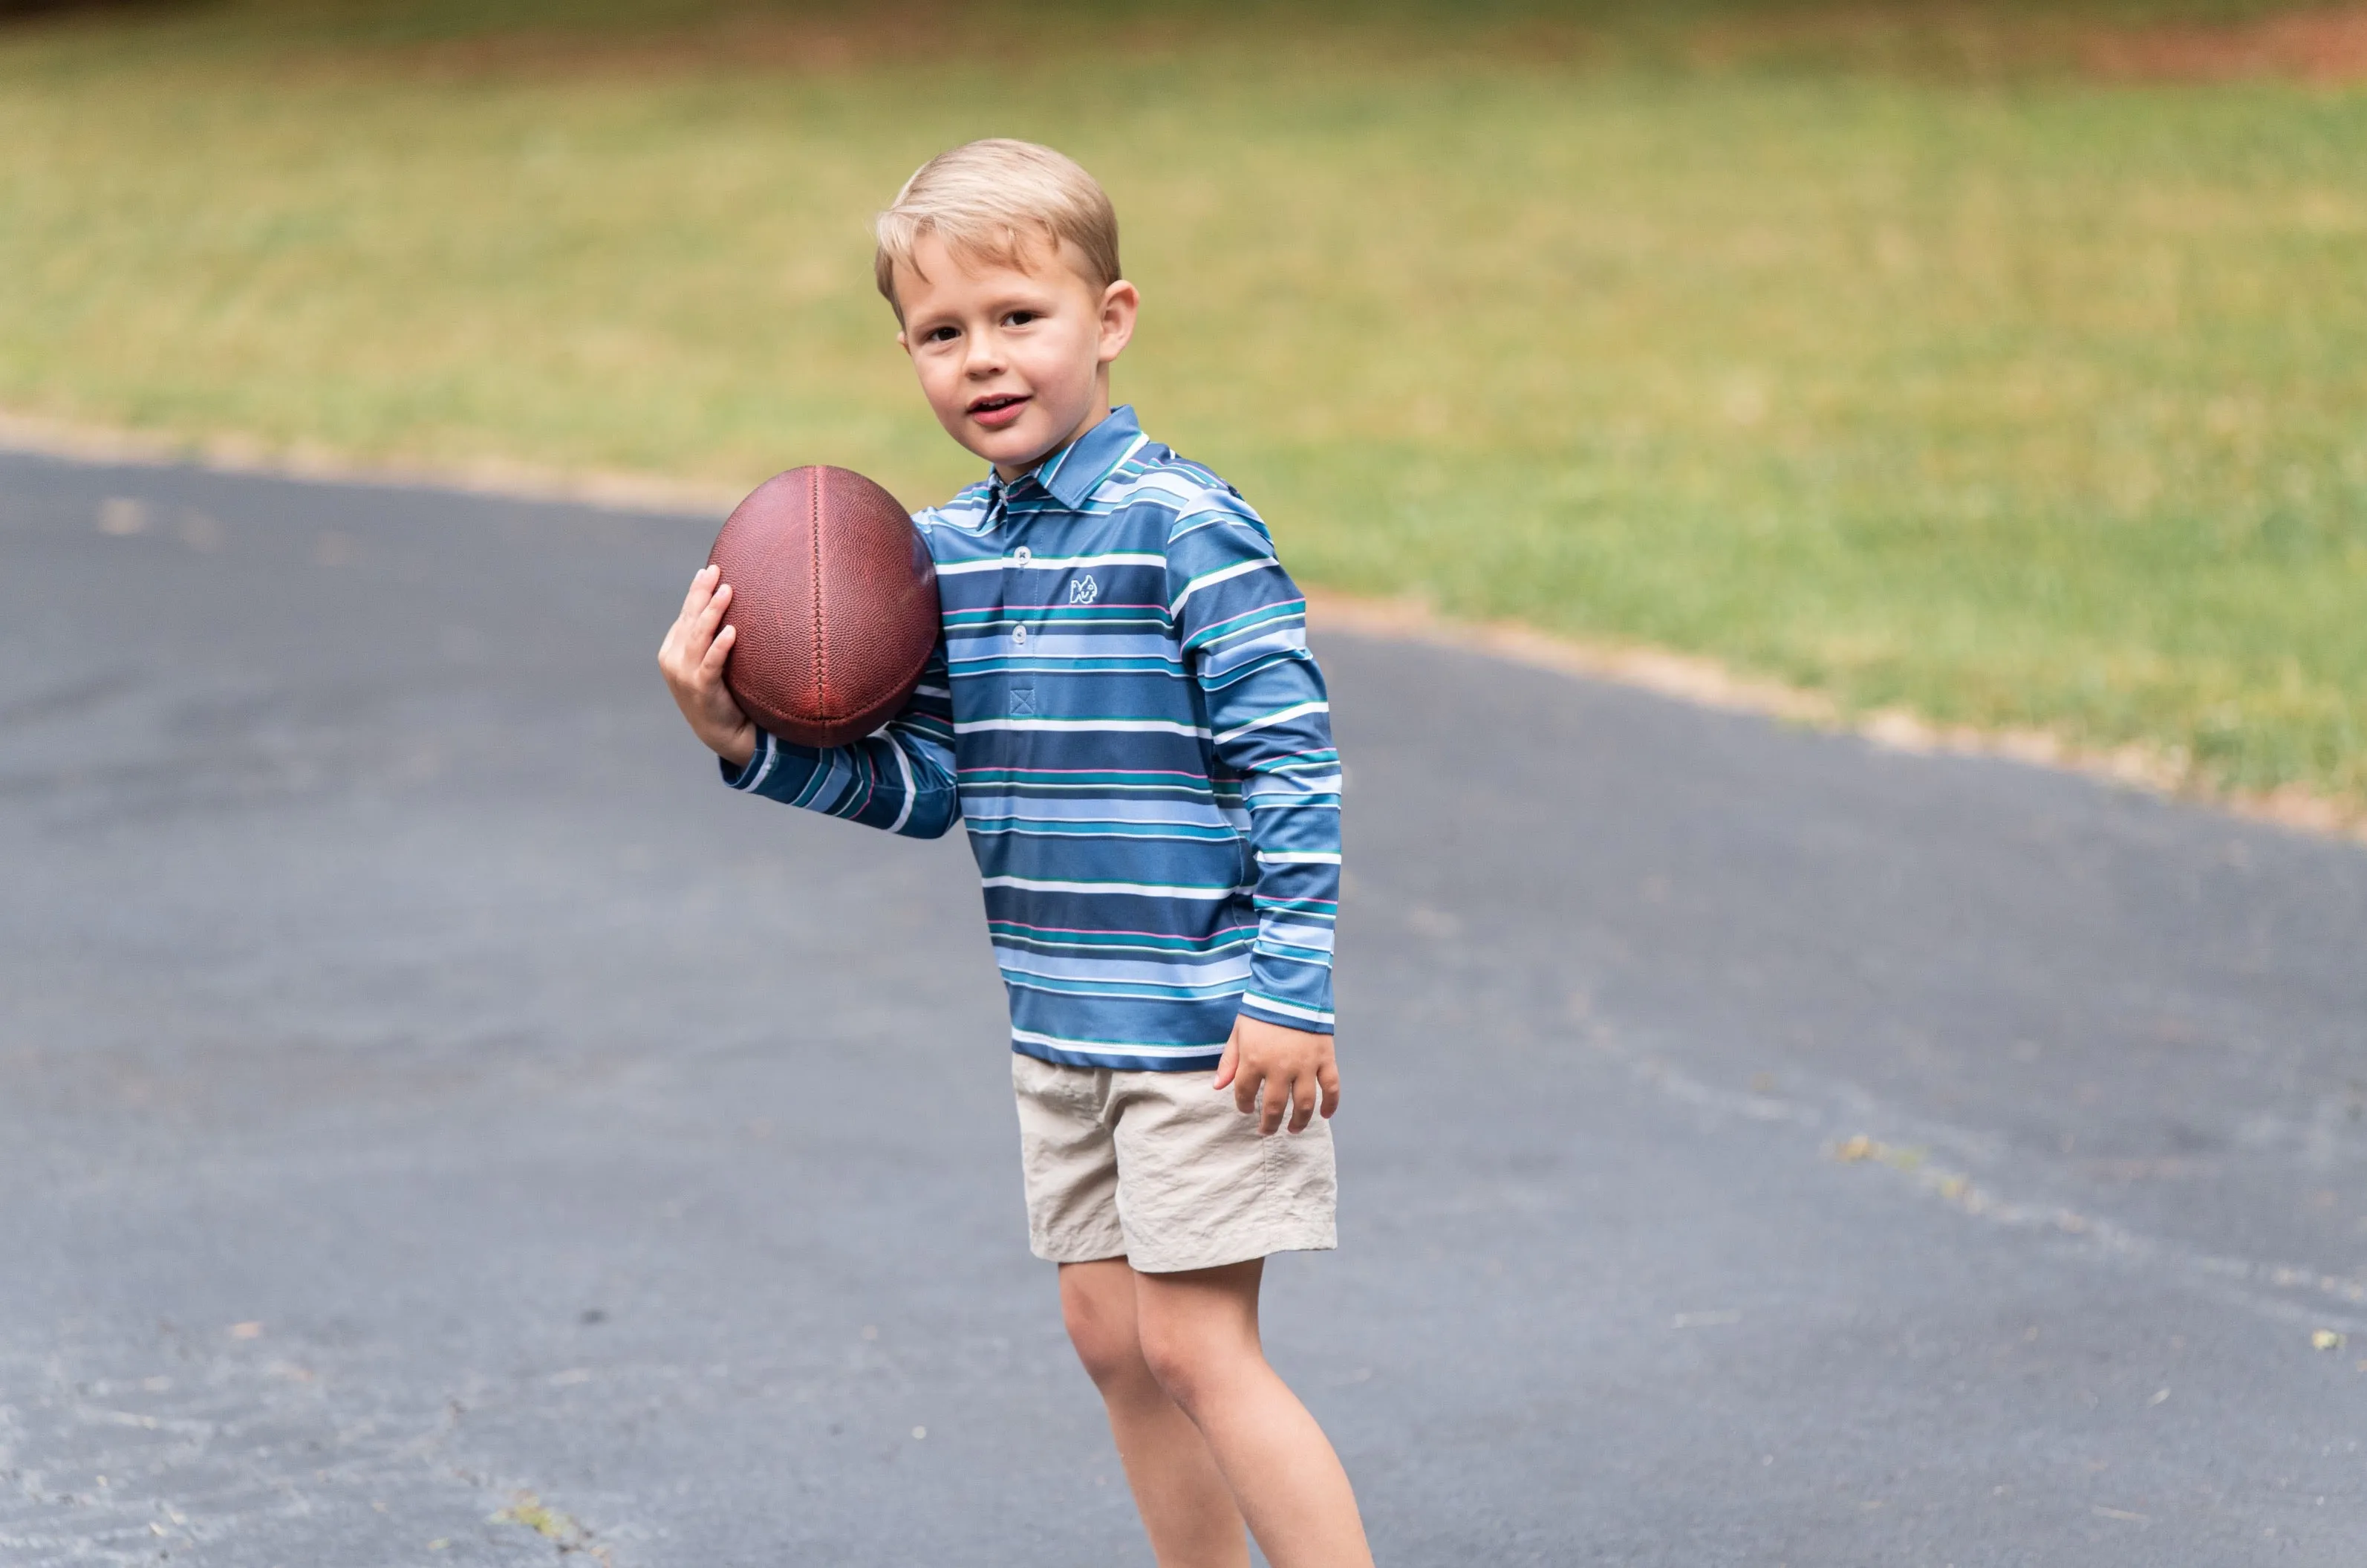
{"points": [[997, 409]]}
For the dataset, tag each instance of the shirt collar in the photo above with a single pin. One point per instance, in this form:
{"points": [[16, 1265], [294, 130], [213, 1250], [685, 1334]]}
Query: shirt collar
{"points": [[1071, 474]]}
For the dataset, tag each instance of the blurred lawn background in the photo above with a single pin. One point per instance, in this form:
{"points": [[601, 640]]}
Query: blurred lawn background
{"points": [[2009, 364]]}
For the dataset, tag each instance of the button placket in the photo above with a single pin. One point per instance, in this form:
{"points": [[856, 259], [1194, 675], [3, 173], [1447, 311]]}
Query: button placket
{"points": [[1020, 557]]}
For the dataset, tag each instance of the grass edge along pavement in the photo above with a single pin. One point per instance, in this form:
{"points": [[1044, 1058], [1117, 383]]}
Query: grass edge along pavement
{"points": [[1685, 678]]}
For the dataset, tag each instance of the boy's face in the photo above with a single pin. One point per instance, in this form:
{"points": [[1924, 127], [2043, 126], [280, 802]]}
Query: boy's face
{"points": [[1014, 360]]}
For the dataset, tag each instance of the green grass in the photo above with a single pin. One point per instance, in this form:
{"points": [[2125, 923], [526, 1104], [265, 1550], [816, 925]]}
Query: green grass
{"points": [[2009, 396]]}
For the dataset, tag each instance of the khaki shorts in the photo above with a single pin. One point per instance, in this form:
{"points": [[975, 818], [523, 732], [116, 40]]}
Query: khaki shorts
{"points": [[1160, 1169]]}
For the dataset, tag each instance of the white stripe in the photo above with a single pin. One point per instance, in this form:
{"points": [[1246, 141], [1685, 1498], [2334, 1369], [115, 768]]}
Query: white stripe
{"points": [[1178, 813], [1223, 973], [1117, 558], [1045, 472], [772, 753], [905, 770], [1051, 563], [1290, 934], [1237, 569], [1145, 890], [1271, 1005], [1277, 717], [1134, 726], [1112, 1047], [1299, 857], [931, 691]]}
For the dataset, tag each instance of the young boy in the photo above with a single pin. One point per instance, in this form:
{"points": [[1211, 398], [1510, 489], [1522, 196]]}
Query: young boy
{"points": [[1125, 715]]}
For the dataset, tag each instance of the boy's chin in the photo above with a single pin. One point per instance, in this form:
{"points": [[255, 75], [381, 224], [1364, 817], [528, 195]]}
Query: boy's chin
{"points": [[1017, 447]]}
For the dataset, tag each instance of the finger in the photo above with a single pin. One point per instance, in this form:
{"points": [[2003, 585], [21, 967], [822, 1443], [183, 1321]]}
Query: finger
{"points": [[1328, 1076], [1231, 1059], [1276, 1102], [702, 582], [1302, 1101], [684, 649], [698, 630], [1246, 1084], [713, 610], [680, 641], [719, 650]]}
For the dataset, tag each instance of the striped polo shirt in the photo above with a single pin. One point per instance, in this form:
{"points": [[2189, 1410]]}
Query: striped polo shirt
{"points": [[1125, 715]]}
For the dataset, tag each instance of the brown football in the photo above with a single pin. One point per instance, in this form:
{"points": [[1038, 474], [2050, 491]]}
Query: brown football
{"points": [[835, 602]]}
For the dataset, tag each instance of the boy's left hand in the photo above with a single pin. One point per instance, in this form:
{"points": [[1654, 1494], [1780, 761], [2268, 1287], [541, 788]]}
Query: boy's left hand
{"points": [[1290, 1066]]}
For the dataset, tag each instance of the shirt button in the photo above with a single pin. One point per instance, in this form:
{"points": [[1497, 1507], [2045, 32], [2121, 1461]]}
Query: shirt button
{"points": [[1022, 555], [1019, 635]]}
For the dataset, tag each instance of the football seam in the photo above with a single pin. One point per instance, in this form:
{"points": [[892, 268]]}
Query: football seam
{"points": [[886, 709], [821, 636]]}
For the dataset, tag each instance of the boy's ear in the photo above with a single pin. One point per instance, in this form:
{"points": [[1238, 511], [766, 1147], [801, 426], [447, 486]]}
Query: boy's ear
{"points": [[1120, 301], [901, 344]]}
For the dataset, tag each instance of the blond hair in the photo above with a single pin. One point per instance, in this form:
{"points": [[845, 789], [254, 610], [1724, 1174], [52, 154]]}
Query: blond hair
{"points": [[990, 199]]}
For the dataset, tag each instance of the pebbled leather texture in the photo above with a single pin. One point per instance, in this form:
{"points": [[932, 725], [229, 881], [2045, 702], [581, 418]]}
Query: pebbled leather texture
{"points": [[835, 599]]}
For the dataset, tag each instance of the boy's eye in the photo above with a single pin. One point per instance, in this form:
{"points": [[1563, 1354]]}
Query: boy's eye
{"points": [[939, 334], [1021, 318]]}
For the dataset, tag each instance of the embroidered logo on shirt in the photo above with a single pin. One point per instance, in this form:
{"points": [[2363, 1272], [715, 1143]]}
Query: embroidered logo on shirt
{"points": [[1022, 701], [1084, 591]]}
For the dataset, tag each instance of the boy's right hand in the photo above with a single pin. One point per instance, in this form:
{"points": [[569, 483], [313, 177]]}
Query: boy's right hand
{"points": [[692, 657]]}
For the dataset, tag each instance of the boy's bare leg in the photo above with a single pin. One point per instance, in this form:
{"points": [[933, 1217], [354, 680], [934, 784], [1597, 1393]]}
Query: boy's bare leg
{"points": [[1186, 1508], [1199, 1337]]}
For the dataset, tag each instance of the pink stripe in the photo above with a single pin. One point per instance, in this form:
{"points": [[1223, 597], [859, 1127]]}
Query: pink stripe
{"points": [[1103, 931], [1154, 772]]}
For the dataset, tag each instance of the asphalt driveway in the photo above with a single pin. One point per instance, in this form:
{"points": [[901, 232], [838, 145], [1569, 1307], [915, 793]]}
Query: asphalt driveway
{"points": [[426, 1095]]}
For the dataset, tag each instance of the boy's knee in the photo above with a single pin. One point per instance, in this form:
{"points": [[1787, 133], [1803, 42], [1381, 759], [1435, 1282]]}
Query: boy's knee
{"points": [[1198, 1331], [1108, 1352], [1186, 1358], [1101, 1325]]}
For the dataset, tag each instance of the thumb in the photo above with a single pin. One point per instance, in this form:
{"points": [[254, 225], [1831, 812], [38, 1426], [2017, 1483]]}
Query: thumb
{"points": [[1231, 1064]]}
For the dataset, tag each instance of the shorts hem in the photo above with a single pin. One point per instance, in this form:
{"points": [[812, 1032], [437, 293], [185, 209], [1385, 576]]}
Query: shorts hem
{"points": [[1082, 1246], [1217, 1255], [1096, 1249]]}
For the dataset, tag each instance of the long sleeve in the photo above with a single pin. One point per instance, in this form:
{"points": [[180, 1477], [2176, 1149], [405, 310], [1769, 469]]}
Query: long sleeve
{"points": [[1242, 624], [900, 778]]}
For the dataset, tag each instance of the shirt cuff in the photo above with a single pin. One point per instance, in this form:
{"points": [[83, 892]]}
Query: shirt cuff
{"points": [[762, 761], [1288, 1015]]}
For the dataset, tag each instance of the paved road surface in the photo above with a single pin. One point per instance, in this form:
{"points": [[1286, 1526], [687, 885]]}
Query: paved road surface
{"points": [[422, 1087]]}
